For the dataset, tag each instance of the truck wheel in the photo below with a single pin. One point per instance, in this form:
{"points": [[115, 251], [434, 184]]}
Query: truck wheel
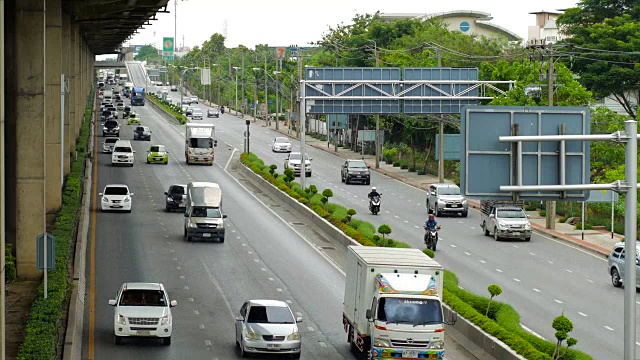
{"points": [[495, 234], [486, 231], [615, 278], [527, 239], [465, 213]]}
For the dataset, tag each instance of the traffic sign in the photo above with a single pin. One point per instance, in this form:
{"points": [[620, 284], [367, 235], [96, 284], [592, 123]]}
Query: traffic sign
{"points": [[603, 196], [51, 252], [167, 46], [451, 147], [486, 163], [450, 90]]}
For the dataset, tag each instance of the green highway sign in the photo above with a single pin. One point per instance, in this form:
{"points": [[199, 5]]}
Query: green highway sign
{"points": [[167, 46]]}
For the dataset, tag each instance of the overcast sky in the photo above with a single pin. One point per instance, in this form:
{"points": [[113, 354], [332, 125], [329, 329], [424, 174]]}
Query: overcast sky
{"points": [[285, 22]]}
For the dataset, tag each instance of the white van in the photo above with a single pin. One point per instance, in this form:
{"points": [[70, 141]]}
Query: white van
{"points": [[203, 213], [122, 153]]}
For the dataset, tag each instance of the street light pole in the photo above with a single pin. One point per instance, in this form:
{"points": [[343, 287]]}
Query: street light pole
{"points": [[236, 68], [266, 90], [277, 113]]}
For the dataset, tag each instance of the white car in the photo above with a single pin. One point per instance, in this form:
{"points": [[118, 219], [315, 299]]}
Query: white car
{"points": [[267, 327], [281, 144], [142, 310], [194, 99], [293, 161], [116, 197], [169, 99], [107, 145], [196, 114], [122, 153]]}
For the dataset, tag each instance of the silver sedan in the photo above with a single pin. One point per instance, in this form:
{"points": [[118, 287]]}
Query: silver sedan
{"points": [[281, 144]]}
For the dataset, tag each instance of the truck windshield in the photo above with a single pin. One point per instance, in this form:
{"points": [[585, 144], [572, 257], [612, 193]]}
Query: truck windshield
{"points": [[410, 311], [200, 143], [449, 191], [199, 211], [511, 214]]}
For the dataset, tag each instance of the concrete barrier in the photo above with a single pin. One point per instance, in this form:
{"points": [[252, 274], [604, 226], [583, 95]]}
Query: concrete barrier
{"points": [[478, 342]]}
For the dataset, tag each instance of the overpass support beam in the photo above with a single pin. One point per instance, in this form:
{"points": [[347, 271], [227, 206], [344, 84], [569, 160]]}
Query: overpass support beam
{"points": [[30, 170], [73, 89], [78, 83], [53, 125], [67, 138]]}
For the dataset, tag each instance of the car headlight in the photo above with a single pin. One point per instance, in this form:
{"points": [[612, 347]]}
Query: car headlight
{"points": [[104, 128], [169, 199], [122, 320], [193, 225], [294, 336], [527, 226], [464, 202], [502, 226], [166, 320], [127, 200], [437, 344], [104, 199], [378, 342], [441, 203], [249, 334]]}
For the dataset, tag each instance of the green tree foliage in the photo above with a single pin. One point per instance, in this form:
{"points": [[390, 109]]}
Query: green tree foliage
{"points": [[494, 290], [563, 327], [384, 229], [603, 33], [289, 176], [527, 74], [272, 170], [350, 214], [147, 53], [326, 194]]}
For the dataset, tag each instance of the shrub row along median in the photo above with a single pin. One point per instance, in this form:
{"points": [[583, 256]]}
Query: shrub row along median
{"points": [[172, 109], [502, 321], [46, 314]]}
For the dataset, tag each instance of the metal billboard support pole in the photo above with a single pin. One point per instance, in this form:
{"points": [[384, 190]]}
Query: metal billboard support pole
{"points": [[630, 236], [612, 213], [303, 145]]}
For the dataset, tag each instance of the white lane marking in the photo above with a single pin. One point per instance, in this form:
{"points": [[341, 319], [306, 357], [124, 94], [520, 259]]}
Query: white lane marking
{"points": [[498, 270], [310, 329], [550, 262], [558, 301], [387, 211], [396, 216], [289, 302], [467, 253], [406, 221], [237, 237], [569, 271], [298, 313], [516, 279], [250, 252], [256, 260], [473, 228], [515, 246], [278, 290], [271, 279], [230, 158], [482, 261], [201, 326], [186, 288], [182, 277], [263, 269], [218, 288], [416, 226], [589, 280], [196, 312], [536, 290], [531, 331], [532, 254], [608, 328], [207, 343], [582, 314], [191, 299], [453, 246], [322, 344]]}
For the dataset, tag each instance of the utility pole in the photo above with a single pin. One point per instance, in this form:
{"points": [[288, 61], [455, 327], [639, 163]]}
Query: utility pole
{"points": [[551, 205], [229, 97], [375, 50], [219, 81], [242, 105], [440, 136], [277, 113], [300, 77], [266, 88]]}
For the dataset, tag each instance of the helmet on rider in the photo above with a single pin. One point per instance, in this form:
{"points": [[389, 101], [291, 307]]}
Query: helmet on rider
{"points": [[431, 217], [373, 189]]}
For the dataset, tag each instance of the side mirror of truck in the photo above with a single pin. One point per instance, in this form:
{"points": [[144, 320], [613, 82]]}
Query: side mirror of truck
{"points": [[368, 314], [224, 216], [453, 318]]}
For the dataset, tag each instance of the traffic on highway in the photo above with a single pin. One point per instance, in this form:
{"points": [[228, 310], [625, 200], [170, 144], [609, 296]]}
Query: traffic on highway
{"points": [[266, 264]]}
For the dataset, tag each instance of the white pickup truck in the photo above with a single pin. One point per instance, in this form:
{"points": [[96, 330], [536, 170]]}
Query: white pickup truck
{"points": [[504, 220]]}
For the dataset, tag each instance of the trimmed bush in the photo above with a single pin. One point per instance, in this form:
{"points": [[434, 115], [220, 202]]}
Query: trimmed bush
{"points": [[396, 164], [46, 314], [9, 264], [169, 108]]}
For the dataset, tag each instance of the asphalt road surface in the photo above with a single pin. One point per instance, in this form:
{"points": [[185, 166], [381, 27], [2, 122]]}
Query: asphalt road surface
{"points": [[541, 279]]}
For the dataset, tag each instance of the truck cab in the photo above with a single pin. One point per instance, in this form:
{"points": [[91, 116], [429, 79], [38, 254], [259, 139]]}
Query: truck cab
{"points": [[203, 217], [505, 220]]}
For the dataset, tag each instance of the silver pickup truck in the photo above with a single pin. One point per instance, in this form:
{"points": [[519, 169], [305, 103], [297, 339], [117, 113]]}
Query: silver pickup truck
{"points": [[504, 220]]}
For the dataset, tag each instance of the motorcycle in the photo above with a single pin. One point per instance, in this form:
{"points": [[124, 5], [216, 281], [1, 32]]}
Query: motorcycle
{"points": [[431, 237], [374, 205], [222, 110]]}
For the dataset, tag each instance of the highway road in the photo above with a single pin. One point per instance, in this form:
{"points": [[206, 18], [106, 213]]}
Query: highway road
{"points": [[262, 257], [541, 279]]}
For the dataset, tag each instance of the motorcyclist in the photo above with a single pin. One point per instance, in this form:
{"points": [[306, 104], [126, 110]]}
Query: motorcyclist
{"points": [[431, 224], [373, 193]]}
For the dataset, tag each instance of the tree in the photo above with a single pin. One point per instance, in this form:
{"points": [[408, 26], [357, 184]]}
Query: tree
{"points": [[602, 36], [326, 194], [147, 53], [563, 327], [350, 214], [494, 290], [288, 176], [384, 229], [272, 170]]}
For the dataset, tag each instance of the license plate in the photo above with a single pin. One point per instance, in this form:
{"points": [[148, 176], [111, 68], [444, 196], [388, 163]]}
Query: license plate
{"points": [[143, 333], [409, 353], [206, 235], [116, 206], [273, 346], [516, 233], [456, 205]]}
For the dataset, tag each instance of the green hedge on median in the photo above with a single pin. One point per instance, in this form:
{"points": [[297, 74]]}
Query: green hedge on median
{"points": [[172, 109], [41, 333], [503, 321]]}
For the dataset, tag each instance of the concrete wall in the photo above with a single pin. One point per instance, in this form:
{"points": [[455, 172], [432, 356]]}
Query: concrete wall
{"points": [[40, 44]]}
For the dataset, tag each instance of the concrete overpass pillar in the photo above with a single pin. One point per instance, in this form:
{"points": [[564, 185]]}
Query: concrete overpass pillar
{"points": [[78, 83], [30, 137], [53, 124], [66, 60], [73, 90]]}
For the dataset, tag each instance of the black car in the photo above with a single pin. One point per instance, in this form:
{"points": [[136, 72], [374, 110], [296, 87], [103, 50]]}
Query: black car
{"points": [[110, 128], [106, 115], [126, 112], [189, 111], [175, 197], [213, 113], [142, 133], [355, 171]]}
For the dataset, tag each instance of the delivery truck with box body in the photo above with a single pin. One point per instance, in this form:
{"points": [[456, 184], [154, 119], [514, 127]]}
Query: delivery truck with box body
{"points": [[393, 303], [199, 143]]}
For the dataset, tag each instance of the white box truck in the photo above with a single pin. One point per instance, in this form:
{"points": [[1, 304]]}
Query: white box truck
{"points": [[393, 303], [199, 143]]}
